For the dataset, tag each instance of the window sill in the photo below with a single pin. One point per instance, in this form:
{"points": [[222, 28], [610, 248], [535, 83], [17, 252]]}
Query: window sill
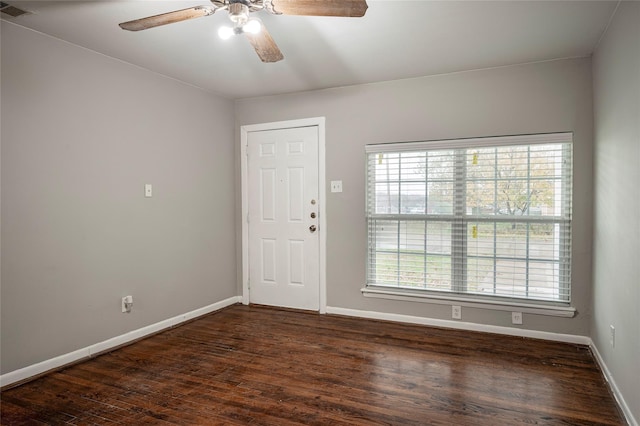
{"points": [[496, 305]]}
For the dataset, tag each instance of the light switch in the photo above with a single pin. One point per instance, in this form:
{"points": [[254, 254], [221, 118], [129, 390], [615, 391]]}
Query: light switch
{"points": [[336, 186], [148, 190]]}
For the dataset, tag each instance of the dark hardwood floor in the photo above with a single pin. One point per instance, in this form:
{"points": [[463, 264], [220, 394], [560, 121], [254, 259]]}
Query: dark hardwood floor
{"points": [[256, 365]]}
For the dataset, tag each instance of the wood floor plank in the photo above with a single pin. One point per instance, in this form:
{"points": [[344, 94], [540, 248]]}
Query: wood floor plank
{"points": [[263, 366]]}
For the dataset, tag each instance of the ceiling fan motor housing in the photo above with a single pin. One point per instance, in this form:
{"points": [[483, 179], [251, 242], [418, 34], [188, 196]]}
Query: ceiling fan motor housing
{"points": [[238, 13]]}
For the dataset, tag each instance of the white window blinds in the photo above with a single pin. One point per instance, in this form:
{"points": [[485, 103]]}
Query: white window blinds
{"points": [[487, 217]]}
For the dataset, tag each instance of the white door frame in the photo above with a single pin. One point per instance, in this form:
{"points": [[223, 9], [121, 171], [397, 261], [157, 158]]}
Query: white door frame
{"points": [[322, 216]]}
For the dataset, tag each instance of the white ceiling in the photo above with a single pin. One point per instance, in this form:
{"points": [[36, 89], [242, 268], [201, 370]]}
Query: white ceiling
{"points": [[394, 40]]}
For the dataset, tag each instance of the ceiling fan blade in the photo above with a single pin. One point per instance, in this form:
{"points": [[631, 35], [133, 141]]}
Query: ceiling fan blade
{"points": [[265, 47], [167, 18], [347, 8]]}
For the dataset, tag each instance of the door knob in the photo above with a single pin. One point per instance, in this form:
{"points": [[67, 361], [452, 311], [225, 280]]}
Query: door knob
{"points": [[312, 228]]}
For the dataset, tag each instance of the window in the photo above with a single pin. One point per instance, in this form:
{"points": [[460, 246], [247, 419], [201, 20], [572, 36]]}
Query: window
{"points": [[487, 217]]}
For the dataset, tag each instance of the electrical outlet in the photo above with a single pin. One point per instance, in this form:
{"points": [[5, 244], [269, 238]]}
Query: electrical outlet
{"points": [[516, 317], [612, 336], [456, 312], [336, 186], [127, 303]]}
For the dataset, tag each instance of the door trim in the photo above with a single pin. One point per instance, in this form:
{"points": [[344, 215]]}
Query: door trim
{"points": [[318, 122]]}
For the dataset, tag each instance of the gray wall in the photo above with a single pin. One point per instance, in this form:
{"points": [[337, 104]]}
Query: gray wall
{"points": [[545, 97], [616, 245], [81, 135]]}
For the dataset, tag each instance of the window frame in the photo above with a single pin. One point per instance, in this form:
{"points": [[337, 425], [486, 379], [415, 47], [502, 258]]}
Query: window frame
{"points": [[458, 292]]}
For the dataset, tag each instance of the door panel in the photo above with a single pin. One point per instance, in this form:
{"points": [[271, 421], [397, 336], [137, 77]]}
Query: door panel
{"points": [[268, 261], [295, 176], [283, 237], [268, 195], [296, 262]]}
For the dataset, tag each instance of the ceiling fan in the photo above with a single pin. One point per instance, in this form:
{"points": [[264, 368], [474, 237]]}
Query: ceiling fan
{"points": [[256, 33]]}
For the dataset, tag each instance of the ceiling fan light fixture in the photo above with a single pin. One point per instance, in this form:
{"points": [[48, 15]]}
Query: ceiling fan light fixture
{"points": [[253, 26], [225, 32]]}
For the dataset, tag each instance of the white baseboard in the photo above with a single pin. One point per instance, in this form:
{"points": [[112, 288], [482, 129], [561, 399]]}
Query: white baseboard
{"points": [[89, 351], [510, 331], [614, 387]]}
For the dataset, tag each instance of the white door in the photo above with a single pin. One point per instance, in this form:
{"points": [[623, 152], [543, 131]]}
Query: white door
{"points": [[283, 218]]}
